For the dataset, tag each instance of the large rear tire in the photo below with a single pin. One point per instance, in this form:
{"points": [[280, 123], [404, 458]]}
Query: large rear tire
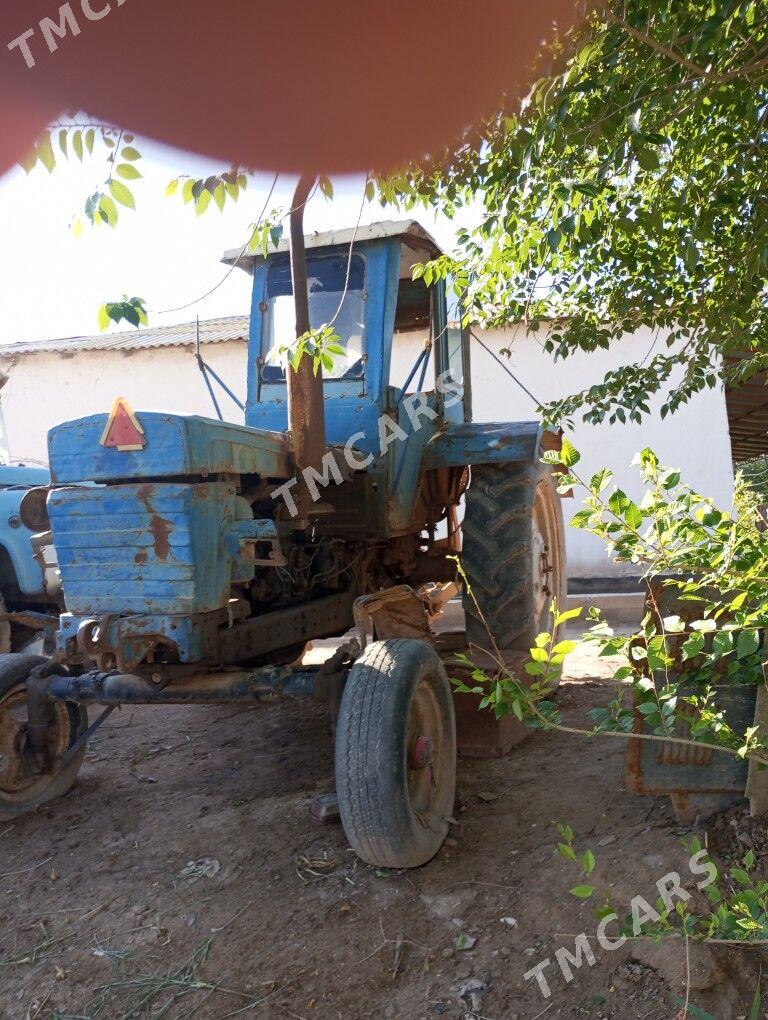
{"points": [[513, 554], [396, 754], [21, 789]]}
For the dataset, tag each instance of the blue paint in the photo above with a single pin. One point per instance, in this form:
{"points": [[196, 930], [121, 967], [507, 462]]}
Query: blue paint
{"points": [[15, 539], [176, 445], [478, 443], [351, 406], [144, 548]]}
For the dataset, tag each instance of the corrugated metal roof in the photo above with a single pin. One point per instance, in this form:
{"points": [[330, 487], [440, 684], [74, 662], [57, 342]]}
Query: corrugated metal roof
{"points": [[411, 231], [212, 331]]}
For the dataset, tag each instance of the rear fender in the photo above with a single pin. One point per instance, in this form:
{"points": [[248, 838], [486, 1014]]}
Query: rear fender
{"points": [[462, 444]]}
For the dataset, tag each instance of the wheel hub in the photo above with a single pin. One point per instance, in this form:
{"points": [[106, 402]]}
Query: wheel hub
{"points": [[422, 753], [18, 770]]}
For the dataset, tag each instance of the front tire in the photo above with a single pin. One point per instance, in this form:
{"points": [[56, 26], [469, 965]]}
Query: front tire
{"points": [[396, 754], [21, 790], [513, 554]]}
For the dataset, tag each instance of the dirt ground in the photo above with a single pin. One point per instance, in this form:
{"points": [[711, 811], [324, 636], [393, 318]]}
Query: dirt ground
{"points": [[184, 877]]}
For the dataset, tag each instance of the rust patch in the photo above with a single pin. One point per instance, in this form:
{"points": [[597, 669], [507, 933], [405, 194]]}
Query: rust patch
{"points": [[161, 531], [140, 557], [159, 527]]}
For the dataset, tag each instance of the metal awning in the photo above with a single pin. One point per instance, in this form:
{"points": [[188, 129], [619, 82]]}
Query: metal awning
{"points": [[747, 407]]}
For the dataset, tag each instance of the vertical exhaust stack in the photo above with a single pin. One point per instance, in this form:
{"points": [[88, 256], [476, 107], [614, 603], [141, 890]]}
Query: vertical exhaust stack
{"points": [[306, 412]]}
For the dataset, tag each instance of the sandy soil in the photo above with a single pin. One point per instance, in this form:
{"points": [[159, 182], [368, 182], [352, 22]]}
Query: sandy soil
{"points": [[184, 877]]}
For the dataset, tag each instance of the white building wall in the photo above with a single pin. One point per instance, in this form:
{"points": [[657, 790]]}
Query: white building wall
{"points": [[45, 389]]}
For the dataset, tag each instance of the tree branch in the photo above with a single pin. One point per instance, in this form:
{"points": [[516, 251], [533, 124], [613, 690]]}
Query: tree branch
{"points": [[649, 41]]}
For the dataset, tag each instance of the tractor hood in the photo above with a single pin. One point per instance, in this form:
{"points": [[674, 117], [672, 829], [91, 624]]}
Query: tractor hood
{"points": [[154, 444]]}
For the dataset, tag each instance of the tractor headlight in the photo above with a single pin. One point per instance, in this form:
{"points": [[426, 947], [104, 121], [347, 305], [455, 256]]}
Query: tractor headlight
{"points": [[33, 510]]}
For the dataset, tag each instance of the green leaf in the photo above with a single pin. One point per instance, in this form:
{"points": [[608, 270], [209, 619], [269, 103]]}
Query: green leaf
{"points": [[122, 194], [754, 1012], [569, 614], [648, 159], [90, 137], [104, 318], [564, 647], [582, 892], [747, 643], [695, 1012], [704, 626], [202, 202], [693, 646], [172, 187], [45, 152], [77, 145], [108, 210], [535, 668], [127, 171], [129, 152], [741, 876], [567, 851], [600, 480], [648, 708], [569, 455], [588, 862]]}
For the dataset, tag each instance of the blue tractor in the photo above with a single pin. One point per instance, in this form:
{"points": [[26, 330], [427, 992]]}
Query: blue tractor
{"points": [[199, 557]]}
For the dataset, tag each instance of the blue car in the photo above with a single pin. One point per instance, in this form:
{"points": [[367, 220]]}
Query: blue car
{"points": [[29, 578]]}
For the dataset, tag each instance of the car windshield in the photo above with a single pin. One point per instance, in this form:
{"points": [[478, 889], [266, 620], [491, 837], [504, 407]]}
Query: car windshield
{"points": [[326, 275]]}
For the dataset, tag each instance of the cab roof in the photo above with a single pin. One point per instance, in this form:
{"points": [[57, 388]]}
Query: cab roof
{"points": [[410, 232]]}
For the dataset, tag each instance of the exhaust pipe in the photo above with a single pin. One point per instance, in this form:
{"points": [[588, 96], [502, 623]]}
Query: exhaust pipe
{"points": [[306, 413]]}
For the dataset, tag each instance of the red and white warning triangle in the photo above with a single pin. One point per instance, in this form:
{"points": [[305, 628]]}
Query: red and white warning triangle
{"points": [[123, 430]]}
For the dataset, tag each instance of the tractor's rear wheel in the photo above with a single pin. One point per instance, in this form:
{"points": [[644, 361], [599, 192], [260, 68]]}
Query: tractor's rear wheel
{"points": [[396, 754], [513, 554], [22, 788]]}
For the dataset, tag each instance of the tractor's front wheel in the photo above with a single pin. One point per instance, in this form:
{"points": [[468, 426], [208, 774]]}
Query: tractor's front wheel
{"points": [[513, 553], [396, 754], [22, 786]]}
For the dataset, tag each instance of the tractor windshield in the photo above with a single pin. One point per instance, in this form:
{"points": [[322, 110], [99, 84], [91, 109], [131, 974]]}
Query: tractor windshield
{"points": [[326, 275]]}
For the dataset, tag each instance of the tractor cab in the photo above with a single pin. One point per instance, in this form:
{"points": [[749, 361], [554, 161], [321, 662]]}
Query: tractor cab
{"points": [[406, 361], [362, 282]]}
